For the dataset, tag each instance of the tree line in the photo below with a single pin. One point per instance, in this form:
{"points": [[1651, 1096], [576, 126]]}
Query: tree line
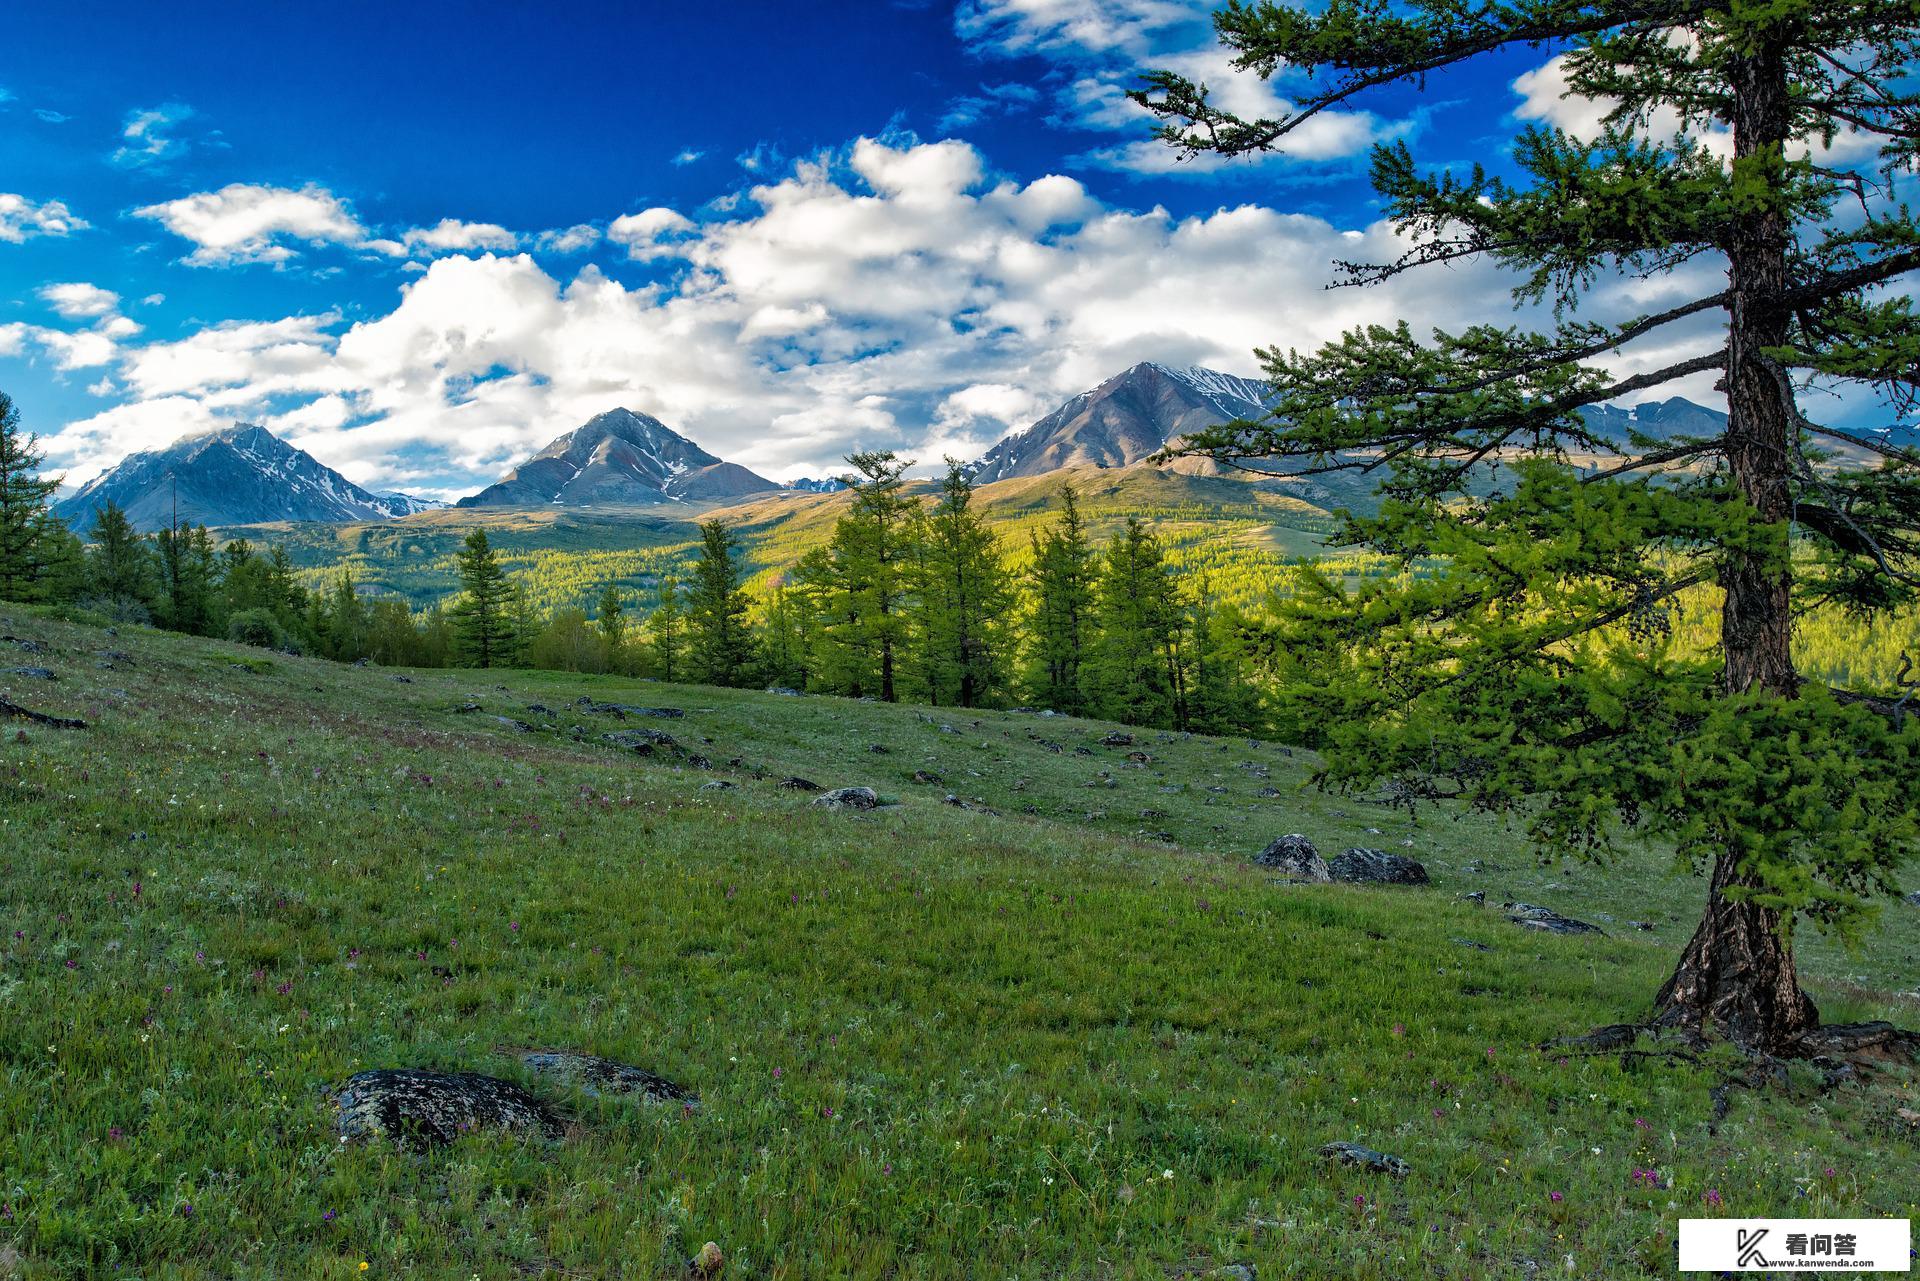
{"points": [[908, 601]]}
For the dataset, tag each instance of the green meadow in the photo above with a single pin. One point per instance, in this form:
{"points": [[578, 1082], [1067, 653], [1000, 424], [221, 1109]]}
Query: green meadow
{"points": [[1040, 1016]]}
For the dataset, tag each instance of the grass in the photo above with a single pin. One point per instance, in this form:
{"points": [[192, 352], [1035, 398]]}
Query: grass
{"points": [[930, 1041]]}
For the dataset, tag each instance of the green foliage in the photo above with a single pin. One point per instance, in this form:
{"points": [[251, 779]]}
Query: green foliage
{"points": [[720, 648], [963, 597], [485, 625], [1061, 580], [34, 555]]}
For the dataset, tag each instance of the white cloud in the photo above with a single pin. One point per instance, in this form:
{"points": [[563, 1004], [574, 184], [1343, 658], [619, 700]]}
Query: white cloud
{"points": [[20, 218], [649, 233], [687, 156], [451, 235], [893, 295], [78, 300], [1103, 47], [569, 240], [147, 139], [242, 223]]}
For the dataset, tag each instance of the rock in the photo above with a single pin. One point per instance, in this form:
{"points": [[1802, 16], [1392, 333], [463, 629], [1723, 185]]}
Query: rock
{"points": [[38, 718], [510, 723], [1376, 867], [1367, 1159], [1142, 758], [848, 798], [401, 680], [784, 690], [1478, 898], [1295, 855], [718, 785], [597, 1076], [927, 777], [1545, 918], [24, 644], [643, 741], [467, 707], [709, 1261], [1478, 947], [1117, 739], [33, 673], [417, 1108], [1914, 898], [624, 710], [1268, 792], [798, 784], [113, 659], [1641, 925], [1236, 1272], [879, 749]]}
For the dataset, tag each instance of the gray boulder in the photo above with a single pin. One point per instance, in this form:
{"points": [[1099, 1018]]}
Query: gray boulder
{"points": [[848, 798], [33, 673], [1295, 855], [417, 1108], [1376, 867], [596, 1076]]}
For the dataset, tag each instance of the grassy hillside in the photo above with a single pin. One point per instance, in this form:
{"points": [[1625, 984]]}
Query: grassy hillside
{"points": [[1080, 1036]]}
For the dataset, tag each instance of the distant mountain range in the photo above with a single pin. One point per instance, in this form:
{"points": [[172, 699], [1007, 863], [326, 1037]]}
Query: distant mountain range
{"points": [[244, 475], [1124, 420], [239, 475], [622, 458]]}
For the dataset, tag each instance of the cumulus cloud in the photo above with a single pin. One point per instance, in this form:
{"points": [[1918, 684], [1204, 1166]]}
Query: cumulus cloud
{"points": [[77, 300], [569, 240], [651, 233], [21, 217], [687, 156], [148, 140], [451, 235], [893, 294], [243, 223]]}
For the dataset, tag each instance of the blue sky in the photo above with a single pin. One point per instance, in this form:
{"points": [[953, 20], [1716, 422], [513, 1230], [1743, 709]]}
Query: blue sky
{"points": [[420, 240]]}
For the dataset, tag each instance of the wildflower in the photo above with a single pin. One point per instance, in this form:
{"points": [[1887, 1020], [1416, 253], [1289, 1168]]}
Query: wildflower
{"points": [[1167, 1174], [514, 926], [1555, 1197], [1712, 1197], [114, 1134], [1359, 1202], [186, 1209], [327, 1217], [1399, 1029], [776, 1074]]}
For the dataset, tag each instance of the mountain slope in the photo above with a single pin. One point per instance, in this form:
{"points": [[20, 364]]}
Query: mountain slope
{"points": [[239, 475], [625, 458], [1123, 420]]}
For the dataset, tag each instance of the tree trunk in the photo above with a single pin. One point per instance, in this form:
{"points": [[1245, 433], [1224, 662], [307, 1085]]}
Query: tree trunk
{"points": [[1738, 974]]}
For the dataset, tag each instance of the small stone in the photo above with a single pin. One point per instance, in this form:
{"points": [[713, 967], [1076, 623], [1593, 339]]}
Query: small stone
{"points": [[1367, 1159], [33, 673], [1476, 897], [1237, 1272], [1528, 916], [1117, 739], [927, 777], [718, 785], [709, 1261], [798, 784]]}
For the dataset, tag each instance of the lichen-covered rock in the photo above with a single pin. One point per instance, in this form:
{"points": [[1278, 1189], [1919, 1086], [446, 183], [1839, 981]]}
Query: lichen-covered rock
{"points": [[1117, 738], [643, 741], [1376, 867], [593, 1075], [33, 673], [1528, 916], [418, 1108], [798, 784], [1296, 856], [1367, 1159], [848, 798]]}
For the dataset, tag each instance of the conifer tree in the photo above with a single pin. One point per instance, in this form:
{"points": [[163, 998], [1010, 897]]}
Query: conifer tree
{"points": [[610, 621], [1500, 679], [862, 580], [1136, 673], [719, 644], [1061, 578], [119, 566], [484, 623], [964, 597], [25, 533], [666, 633]]}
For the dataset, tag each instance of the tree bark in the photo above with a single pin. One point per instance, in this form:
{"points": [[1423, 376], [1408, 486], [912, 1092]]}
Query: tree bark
{"points": [[1737, 974]]}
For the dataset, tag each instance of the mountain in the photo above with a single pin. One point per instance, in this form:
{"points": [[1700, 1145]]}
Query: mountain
{"points": [[1654, 419], [826, 485], [1123, 420], [239, 475], [620, 457]]}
